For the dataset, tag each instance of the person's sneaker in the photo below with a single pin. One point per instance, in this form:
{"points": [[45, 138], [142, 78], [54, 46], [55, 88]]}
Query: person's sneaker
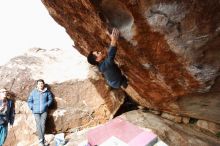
{"points": [[46, 143], [41, 142]]}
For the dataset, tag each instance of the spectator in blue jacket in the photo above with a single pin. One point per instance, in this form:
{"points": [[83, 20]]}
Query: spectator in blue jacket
{"points": [[38, 101], [6, 114], [106, 63]]}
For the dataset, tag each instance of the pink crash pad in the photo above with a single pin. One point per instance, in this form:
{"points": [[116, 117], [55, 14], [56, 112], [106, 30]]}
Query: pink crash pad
{"points": [[123, 130]]}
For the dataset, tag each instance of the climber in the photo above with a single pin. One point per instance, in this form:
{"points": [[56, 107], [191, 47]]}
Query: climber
{"points": [[6, 114], [38, 101], [106, 63]]}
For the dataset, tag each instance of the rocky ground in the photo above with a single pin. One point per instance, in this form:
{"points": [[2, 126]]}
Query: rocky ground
{"points": [[172, 133]]}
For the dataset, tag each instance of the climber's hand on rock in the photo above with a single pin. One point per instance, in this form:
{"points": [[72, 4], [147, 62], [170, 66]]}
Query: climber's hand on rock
{"points": [[114, 36]]}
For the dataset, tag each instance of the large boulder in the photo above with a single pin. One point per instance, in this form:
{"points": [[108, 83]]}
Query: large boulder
{"points": [[81, 97], [169, 50]]}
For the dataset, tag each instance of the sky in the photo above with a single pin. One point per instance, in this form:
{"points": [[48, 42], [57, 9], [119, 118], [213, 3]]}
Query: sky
{"points": [[27, 24]]}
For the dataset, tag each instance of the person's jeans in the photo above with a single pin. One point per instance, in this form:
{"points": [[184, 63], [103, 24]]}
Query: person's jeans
{"points": [[3, 133], [40, 124]]}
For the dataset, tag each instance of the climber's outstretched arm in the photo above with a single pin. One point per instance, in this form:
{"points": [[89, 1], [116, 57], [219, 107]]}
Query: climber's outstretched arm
{"points": [[112, 49]]}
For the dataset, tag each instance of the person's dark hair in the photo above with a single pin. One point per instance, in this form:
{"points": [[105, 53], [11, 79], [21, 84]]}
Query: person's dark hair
{"points": [[91, 58], [41, 80]]}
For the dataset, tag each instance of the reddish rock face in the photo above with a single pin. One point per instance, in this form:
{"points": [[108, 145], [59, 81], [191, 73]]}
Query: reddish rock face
{"points": [[168, 49]]}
